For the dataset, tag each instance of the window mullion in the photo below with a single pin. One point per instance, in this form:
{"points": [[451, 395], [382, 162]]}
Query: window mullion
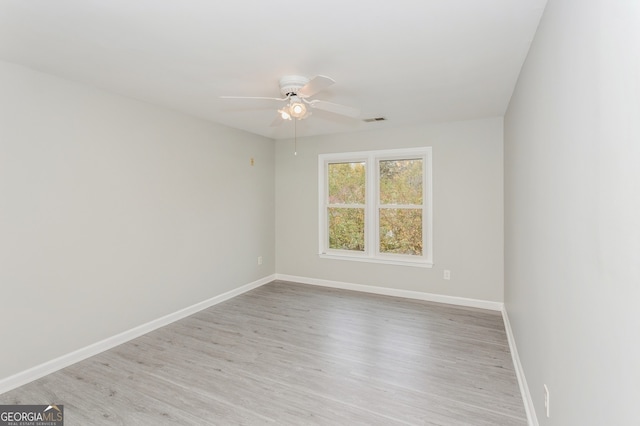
{"points": [[370, 216], [373, 200], [347, 206], [401, 206]]}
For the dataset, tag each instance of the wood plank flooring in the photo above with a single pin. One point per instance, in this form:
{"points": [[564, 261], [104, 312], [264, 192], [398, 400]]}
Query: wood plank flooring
{"points": [[293, 354]]}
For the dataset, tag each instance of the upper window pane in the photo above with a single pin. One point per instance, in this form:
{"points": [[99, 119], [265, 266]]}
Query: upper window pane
{"points": [[401, 181], [347, 183]]}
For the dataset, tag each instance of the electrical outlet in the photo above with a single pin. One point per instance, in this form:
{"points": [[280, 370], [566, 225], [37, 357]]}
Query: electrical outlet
{"points": [[546, 399], [447, 274], [259, 260]]}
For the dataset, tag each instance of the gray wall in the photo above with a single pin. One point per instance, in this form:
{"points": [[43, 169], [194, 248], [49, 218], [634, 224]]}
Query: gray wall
{"points": [[114, 213], [572, 213], [468, 209]]}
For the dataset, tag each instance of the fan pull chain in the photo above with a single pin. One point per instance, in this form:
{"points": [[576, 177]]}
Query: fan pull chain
{"points": [[295, 137]]}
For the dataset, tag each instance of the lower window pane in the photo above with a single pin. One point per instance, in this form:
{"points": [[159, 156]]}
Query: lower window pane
{"points": [[401, 231], [346, 229]]}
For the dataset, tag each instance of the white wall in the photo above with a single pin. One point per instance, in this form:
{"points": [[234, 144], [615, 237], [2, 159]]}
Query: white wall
{"points": [[468, 209], [572, 213], [114, 213]]}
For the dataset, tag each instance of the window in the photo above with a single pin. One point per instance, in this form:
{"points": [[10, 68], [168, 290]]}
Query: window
{"points": [[376, 206]]}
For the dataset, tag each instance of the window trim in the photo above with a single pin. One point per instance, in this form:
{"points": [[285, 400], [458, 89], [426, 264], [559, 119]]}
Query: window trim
{"points": [[372, 205]]}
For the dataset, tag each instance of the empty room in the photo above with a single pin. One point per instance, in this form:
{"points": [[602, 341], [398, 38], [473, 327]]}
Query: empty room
{"points": [[331, 213]]}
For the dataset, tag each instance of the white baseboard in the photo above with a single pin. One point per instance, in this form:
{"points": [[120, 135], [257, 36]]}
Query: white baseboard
{"points": [[451, 300], [532, 419], [54, 365]]}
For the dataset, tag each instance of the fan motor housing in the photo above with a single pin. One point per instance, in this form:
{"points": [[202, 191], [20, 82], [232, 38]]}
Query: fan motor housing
{"points": [[290, 84]]}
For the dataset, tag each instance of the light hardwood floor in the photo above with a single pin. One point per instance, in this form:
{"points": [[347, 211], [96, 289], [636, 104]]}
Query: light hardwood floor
{"points": [[293, 354]]}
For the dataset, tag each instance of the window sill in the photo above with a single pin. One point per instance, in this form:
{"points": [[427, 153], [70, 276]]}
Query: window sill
{"points": [[417, 264]]}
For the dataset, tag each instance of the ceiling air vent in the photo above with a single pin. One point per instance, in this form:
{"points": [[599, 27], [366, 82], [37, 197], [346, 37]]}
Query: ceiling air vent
{"points": [[371, 120]]}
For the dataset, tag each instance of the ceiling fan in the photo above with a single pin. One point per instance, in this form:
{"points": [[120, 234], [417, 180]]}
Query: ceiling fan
{"points": [[296, 91]]}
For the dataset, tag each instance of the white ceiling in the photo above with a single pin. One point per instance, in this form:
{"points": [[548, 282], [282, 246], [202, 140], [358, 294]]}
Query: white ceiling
{"points": [[411, 61]]}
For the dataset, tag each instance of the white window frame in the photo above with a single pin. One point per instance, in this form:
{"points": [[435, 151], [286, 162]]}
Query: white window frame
{"points": [[372, 207]]}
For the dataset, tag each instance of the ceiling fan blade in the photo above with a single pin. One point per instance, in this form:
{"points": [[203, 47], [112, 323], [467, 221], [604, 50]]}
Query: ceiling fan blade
{"points": [[253, 97], [315, 85], [277, 121], [335, 108]]}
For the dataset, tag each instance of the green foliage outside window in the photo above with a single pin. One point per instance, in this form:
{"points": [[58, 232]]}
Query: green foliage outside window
{"points": [[346, 229], [401, 184], [347, 183], [400, 213], [401, 231]]}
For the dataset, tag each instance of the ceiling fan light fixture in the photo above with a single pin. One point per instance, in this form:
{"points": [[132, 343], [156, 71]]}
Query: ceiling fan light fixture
{"points": [[297, 109], [284, 114]]}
